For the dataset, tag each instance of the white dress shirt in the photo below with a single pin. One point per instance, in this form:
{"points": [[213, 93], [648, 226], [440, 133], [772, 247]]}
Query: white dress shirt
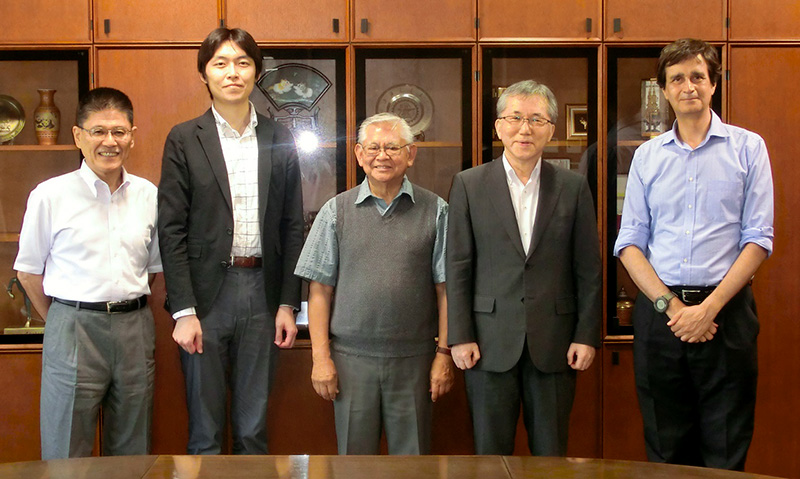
{"points": [[91, 244], [525, 198]]}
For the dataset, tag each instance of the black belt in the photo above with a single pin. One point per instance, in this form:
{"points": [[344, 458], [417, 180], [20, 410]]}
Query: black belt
{"points": [[110, 307], [692, 295]]}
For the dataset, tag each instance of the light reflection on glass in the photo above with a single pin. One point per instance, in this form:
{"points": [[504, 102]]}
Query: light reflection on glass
{"points": [[307, 141]]}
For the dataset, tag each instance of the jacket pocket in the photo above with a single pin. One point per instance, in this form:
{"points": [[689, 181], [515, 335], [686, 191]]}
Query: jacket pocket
{"points": [[565, 305], [194, 250], [483, 304]]}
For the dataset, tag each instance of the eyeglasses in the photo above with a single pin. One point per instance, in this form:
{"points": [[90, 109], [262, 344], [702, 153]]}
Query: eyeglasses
{"points": [[534, 122], [99, 133], [391, 150]]}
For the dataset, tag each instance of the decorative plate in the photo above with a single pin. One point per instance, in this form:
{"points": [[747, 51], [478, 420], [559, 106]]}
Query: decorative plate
{"points": [[12, 118], [410, 103]]}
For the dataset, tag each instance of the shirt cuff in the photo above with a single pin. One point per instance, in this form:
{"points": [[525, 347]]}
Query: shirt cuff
{"points": [[184, 312]]}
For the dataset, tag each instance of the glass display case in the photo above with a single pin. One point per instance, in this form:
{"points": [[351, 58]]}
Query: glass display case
{"points": [[430, 88], [637, 112], [27, 159], [571, 73], [305, 91]]}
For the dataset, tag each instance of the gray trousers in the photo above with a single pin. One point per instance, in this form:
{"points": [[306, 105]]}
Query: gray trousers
{"points": [[239, 352], [494, 401], [92, 359], [389, 392]]}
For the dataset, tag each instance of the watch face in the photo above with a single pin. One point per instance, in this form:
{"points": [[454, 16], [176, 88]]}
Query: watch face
{"points": [[661, 305]]}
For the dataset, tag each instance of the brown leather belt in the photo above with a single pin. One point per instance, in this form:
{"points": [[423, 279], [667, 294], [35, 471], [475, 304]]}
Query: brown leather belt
{"points": [[110, 307], [246, 262]]}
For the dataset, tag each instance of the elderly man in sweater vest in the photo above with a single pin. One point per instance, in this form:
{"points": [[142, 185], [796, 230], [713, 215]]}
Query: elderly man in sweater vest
{"points": [[380, 247]]}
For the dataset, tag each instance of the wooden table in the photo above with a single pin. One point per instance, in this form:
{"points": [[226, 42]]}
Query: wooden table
{"points": [[350, 467]]}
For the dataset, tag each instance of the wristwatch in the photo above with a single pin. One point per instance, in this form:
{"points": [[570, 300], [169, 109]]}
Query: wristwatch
{"points": [[662, 302]]}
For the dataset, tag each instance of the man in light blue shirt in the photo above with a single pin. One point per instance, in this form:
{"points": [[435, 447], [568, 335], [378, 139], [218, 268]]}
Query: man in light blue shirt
{"points": [[696, 225], [380, 247]]}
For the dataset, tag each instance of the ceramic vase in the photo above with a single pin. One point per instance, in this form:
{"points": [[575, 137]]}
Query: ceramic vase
{"points": [[47, 118]]}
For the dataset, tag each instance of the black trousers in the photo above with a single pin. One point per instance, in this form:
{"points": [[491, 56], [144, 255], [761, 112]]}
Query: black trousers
{"points": [[698, 400]]}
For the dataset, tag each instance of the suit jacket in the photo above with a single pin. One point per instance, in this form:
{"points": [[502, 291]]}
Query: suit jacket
{"points": [[496, 295], [195, 214]]}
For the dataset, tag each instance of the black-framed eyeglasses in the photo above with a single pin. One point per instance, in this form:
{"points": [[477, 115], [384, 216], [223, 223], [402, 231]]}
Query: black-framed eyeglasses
{"points": [[390, 149], [536, 121], [99, 133]]}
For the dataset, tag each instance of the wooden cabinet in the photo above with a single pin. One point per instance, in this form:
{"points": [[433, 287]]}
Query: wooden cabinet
{"points": [[764, 98], [19, 396], [413, 21], [165, 88], [623, 433], [665, 21], [311, 20], [154, 20], [759, 20], [43, 21], [525, 20]]}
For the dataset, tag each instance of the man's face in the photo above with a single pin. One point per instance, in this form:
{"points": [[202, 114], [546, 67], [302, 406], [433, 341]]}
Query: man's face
{"points": [[380, 157], [105, 139], [689, 88], [526, 140], [230, 75]]}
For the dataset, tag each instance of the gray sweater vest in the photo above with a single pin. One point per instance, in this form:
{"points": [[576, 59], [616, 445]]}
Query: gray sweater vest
{"points": [[385, 297]]}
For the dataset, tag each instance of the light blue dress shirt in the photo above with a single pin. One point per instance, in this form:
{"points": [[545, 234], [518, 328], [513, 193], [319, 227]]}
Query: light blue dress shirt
{"points": [[692, 211], [319, 260]]}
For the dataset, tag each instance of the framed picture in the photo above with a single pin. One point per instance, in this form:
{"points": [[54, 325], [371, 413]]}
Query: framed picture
{"points": [[577, 122], [562, 162]]}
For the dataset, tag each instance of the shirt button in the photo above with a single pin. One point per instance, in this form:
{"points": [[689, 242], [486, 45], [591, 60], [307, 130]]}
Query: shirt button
{"points": [[691, 179], [690, 206], [685, 260], [687, 232]]}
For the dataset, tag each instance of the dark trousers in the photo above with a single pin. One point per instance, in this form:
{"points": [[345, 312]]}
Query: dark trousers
{"points": [[698, 400], [238, 352], [494, 402]]}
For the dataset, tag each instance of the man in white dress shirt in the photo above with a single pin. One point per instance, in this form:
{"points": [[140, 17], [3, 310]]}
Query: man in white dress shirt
{"points": [[88, 252]]}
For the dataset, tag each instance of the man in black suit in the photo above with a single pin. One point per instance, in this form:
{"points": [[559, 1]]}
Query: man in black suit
{"points": [[231, 230], [523, 281]]}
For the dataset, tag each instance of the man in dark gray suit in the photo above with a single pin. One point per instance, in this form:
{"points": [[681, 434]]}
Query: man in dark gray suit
{"points": [[524, 281], [231, 230]]}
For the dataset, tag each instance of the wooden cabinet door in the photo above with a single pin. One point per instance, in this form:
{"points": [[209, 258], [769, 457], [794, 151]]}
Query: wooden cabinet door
{"points": [[154, 20], [20, 385], [753, 20], [539, 19], [414, 20], [764, 97], [42, 21], [311, 20], [623, 433], [665, 21], [165, 88]]}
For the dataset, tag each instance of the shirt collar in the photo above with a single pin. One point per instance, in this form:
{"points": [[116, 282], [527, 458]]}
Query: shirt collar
{"points": [[717, 128], [92, 180], [227, 129], [511, 175], [364, 192]]}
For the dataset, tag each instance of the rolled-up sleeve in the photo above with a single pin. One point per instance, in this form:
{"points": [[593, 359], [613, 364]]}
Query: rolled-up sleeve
{"points": [[758, 211], [635, 227]]}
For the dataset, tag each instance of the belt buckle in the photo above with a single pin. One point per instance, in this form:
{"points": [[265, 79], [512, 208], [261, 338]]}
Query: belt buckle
{"points": [[111, 305], [686, 295]]}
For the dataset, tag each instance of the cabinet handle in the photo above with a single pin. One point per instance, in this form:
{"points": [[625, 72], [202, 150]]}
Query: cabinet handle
{"points": [[588, 25], [364, 25], [335, 25], [615, 358], [107, 26], [617, 25]]}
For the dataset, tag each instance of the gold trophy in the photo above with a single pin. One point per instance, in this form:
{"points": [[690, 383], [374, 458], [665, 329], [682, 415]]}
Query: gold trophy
{"points": [[27, 329]]}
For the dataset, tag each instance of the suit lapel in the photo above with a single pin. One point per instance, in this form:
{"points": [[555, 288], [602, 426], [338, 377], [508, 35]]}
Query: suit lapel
{"points": [[209, 140], [549, 191], [497, 185], [264, 133]]}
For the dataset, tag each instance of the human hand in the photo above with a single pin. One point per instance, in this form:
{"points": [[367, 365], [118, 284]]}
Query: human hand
{"points": [[580, 356], [465, 355], [324, 378], [285, 327], [188, 334], [442, 376]]}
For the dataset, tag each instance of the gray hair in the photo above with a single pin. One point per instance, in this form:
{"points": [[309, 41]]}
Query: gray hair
{"points": [[405, 130], [529, 88]]}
